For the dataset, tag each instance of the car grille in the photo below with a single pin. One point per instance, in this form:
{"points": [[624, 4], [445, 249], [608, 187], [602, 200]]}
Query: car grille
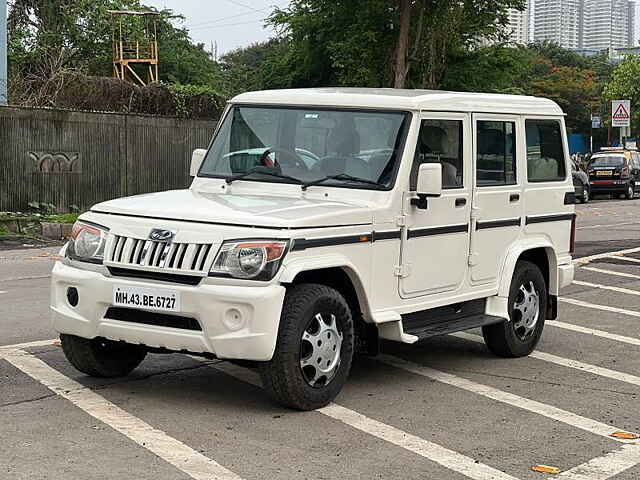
{"points": [[194, 258]]}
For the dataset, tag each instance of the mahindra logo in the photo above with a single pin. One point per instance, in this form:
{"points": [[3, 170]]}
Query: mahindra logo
{"points": [[162, 235]]}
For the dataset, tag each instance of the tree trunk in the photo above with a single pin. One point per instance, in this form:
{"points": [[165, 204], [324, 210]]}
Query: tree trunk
{"points": [[401, 63]]}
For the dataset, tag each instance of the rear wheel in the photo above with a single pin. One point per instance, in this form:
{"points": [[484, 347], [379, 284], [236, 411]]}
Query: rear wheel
{"points": [[586, 194], [527, 306], [314, 350], [100, 357]]}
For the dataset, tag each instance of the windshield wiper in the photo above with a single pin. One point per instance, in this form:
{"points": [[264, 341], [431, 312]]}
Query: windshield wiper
{"points": [[261, 171], [340, 176]]}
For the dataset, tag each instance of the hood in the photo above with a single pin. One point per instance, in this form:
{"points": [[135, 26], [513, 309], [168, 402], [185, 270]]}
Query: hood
{"points": [[227, 208]]}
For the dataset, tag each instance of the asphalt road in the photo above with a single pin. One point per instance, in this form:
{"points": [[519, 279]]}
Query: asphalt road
{"points": [[442, 409]]}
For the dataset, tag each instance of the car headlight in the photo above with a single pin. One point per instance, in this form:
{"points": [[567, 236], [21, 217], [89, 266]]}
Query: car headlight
{"points": [[87, 242], [256, 260]]}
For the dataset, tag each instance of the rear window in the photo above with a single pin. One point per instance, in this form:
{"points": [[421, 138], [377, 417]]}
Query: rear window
{"points": [[608, 161]]}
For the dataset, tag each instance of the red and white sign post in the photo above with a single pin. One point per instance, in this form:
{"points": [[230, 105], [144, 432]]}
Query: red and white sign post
{"points": [[621, 117]]}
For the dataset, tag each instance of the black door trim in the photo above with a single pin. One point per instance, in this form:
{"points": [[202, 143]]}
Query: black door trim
{"points": [[550, 218], [511, 222], [427, 232]]}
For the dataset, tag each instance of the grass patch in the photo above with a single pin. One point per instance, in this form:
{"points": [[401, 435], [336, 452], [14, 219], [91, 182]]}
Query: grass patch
{"points": [[63, 218]]}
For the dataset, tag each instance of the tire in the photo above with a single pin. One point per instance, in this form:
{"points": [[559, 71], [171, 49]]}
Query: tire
{"points": [[630, 192], [284, 377], [506, 339], [100, 357]]}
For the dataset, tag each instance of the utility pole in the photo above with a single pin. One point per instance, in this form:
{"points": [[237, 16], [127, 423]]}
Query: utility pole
{"points": [[3, 53]]}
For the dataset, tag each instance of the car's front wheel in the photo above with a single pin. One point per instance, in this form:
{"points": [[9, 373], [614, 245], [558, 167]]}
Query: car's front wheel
{"points": [[314, 351], [100, 357], [527, 308]]}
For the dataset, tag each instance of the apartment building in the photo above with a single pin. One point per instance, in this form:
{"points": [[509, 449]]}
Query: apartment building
{"points": [[558, 21]]}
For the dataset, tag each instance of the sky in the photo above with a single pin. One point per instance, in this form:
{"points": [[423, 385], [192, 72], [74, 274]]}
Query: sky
{"points": [[229, 23]]}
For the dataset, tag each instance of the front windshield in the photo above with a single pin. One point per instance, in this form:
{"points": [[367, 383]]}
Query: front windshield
{"points": [[307, 145]]}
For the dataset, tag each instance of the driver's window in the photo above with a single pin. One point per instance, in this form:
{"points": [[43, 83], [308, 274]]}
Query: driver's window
{"points": [[440, 141]]}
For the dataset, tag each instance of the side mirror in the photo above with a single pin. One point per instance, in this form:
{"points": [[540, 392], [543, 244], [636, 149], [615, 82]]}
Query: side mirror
{"points": [[429, 184], [197, 157]]}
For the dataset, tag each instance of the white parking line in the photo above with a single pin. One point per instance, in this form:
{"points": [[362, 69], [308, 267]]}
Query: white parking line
{"points": [[566, 362], [628, 259], [548, 411], [627, 291], [597, 256], [181, 456], [606, 466], [587, 227], [431, 451], [594, 332], [595, 306], [5, 349], [611, 272], [3, 291]]}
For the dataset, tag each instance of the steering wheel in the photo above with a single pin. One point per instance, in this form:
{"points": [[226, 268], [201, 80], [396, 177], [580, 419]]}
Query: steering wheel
{"points": [[287, 159]]}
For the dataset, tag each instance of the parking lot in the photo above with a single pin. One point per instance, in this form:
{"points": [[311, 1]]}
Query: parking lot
{"points": [[441, 409]]}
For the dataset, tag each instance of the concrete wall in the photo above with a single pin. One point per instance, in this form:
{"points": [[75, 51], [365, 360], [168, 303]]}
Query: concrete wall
{"points": [[81, 158]]}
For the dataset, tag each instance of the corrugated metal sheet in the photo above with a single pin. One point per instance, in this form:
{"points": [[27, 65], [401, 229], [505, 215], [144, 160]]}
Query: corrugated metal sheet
{"points": [[81, 158]]}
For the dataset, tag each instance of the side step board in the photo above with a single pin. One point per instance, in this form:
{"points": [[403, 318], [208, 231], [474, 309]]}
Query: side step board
{"points": [[448, 319]]}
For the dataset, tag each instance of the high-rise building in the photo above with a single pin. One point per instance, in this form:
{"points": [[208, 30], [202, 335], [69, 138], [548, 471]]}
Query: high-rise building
{"points": [[518, 26], [607, 24], [558, 21]]}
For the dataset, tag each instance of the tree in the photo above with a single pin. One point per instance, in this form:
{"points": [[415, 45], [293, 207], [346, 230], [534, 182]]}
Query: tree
{"points": [[624, 85]]}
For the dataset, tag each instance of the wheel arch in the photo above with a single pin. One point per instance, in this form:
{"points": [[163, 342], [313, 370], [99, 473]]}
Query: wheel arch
{"points": [[542, 254]]}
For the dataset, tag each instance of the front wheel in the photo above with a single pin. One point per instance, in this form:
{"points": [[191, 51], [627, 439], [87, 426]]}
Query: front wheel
{"points": [[527, 308], [100, 357], [315, 345]]}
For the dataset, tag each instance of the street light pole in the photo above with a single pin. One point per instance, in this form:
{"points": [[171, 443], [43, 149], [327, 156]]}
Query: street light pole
{"points": [[3, 53]]}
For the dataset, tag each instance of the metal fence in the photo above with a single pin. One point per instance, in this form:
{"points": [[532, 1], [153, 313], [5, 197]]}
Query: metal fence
{"points": [[81, 158]]}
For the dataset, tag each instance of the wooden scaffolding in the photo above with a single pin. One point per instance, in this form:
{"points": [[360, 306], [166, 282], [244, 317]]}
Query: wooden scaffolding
{"points": [[135, 46]]}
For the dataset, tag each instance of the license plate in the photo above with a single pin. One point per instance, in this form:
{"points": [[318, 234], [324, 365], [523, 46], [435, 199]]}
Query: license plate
{"points": [[146, 298], [604, 173]]}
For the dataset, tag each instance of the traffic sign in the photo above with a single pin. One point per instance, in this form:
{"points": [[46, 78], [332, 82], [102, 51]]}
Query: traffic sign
{"points": [[621, 113], [595, 121]]}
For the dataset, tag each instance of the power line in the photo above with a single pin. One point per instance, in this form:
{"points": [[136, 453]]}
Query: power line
{"points": [[223, 18], [228, 25], [262, 10]]}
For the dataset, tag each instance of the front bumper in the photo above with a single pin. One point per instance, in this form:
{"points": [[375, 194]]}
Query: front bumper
{"points": [[217, 308]]}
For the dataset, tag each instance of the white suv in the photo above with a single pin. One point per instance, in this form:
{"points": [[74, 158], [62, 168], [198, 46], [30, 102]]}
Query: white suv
{"points": [[321, 221]]}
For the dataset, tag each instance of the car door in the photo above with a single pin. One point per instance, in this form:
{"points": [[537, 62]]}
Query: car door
{"points": [[435, 246], [497, 203]]}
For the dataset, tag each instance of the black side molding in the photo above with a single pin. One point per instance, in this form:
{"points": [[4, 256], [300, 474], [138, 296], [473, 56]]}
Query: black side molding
{"points": [[511, 222], [427, 232], [549, 218]]}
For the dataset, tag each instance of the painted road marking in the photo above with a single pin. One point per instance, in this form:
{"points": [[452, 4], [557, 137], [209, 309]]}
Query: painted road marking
{"points": [[533, 406], [36, 277], [628, 259], [431, 451], [581, 260], [173, 451], [607, 287], [594, 332], [587, 227], [606, 466], [566, 362], [3, 291], [611, 272], [606, 308], [6, 349]]}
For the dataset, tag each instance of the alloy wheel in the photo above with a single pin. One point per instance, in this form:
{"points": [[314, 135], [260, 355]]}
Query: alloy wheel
{"points": [[526, 311], [320, 350]]}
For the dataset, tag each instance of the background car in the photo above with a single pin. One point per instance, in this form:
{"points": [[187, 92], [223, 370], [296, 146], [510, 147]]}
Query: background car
{"points": [[581, 184], [615, 171]]}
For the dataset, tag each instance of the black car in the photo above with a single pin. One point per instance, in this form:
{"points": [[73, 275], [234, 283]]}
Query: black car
{"points": [[616, 172], [581, 184]]}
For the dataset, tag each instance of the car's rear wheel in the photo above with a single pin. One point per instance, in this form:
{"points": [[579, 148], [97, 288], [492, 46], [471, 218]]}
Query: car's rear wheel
{"points": [[586, 194], [100, 357], [527, 307], [315, 346]]}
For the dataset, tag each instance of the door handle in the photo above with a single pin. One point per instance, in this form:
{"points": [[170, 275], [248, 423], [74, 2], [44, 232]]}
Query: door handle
{"points": [[514, 197], [461, 202]]}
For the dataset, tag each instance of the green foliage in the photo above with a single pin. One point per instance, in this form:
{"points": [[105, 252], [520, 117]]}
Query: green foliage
{"points": [[42, 208], [624, 85], [63, 218], [184, 97]]}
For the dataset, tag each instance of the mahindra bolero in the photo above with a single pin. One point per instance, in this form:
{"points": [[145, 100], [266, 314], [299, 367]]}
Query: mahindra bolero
{"points": [[322, 221]]}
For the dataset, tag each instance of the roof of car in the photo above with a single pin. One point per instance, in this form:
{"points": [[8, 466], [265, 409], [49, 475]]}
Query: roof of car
{"points": [[399, 99]]}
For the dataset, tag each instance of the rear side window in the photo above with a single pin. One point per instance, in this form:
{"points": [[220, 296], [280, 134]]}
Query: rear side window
{"points": [[545, 151], [496, 157]]}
